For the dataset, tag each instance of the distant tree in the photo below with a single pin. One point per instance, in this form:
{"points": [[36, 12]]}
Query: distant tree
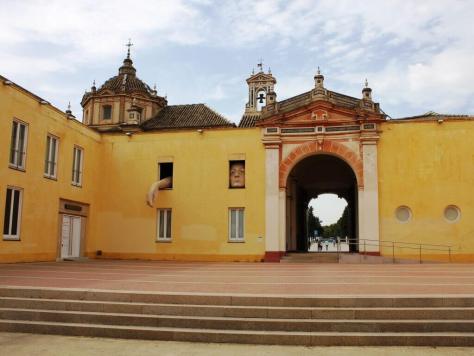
{"points": [[314, 224], [340, 228]]}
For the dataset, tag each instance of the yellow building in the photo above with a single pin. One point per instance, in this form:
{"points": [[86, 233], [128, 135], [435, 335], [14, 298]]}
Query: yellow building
{"points": [[71, 190]]}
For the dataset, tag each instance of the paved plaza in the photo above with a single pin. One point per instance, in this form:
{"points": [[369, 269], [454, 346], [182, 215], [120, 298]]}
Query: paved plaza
{"points": [[246, 278], [17, 344]]}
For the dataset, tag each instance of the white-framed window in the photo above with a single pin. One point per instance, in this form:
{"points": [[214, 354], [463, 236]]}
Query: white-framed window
{"points": [[51, 157], [12, 217], [163, 232], [18, 145], [77, 161], [236, 224]]}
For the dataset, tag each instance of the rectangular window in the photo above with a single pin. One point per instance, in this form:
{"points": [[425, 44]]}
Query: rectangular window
{"points": [[18, 145], [237, 174], [11, 220], [166, 170], [77, 166], [236, 224], [51, 158], [106, 112], [164, 225]]}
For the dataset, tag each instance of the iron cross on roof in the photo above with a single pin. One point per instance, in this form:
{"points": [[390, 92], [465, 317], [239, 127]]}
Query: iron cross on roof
{"points": [[260, 65], [129, 44], [261, 98]]}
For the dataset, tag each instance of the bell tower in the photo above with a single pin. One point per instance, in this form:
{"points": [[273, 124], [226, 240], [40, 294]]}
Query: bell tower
{"points": [[261, 90]]}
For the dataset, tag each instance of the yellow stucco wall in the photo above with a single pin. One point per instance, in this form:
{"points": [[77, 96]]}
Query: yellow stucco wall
{"points": [[200, 197], [40, 209], [427, 166]]}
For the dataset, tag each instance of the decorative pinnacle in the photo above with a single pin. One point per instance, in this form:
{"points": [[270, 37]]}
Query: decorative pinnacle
{"points": [[319, 71], [154, 87], [129, 44], [260, 65], [93, 83], [366, 83], [269, 70], [68, 111]]}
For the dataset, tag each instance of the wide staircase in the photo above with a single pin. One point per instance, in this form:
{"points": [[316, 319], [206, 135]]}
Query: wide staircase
{"points": [[433, 321]]}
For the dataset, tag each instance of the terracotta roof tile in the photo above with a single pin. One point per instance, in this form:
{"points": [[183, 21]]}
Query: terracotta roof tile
{"points": [[186, 116], [249, 120]]}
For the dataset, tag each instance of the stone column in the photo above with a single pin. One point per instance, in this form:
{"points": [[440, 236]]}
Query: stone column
{"points": [[272, 203], [369, 199]]}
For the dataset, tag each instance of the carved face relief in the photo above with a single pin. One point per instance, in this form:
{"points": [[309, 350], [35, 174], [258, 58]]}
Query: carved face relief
{"points": [[237, 175]]}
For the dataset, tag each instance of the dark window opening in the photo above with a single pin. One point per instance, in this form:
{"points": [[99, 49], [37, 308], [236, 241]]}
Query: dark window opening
{"points": [[6, 220], [106, 112], [166, 170]]}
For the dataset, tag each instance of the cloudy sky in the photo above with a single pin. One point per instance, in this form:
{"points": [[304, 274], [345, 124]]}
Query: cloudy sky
{"points": [[417, 55]]}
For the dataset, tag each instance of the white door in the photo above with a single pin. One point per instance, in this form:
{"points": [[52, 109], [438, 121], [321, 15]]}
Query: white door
{"points": [[70, 236]]}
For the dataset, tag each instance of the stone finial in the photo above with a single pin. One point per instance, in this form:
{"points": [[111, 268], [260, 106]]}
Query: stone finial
{"points": [[93, 88], [68, 111]]}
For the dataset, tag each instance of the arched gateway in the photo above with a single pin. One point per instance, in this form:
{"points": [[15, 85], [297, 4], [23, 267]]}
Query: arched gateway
{"points": [[318, 142]]}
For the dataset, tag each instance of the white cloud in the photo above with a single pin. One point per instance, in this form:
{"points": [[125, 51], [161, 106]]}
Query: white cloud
{"points": [[415, 54]]}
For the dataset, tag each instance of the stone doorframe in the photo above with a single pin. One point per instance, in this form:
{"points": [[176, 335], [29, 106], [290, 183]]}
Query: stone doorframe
{"points": [[278, 167]]}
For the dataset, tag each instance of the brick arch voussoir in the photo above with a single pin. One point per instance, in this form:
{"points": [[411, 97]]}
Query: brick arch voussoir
{"points": [[328, 147]]}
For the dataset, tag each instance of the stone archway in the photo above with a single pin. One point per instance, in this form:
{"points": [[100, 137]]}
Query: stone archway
{"points": [[311, 176], [327, 147]]}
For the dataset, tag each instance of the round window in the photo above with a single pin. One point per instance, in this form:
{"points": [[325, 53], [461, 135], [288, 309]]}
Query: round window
{"points": [[452, 213], [403, 214]]}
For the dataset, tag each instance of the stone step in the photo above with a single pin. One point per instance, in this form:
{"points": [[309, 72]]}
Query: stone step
{"points": [[310, 257], [389, 313], [228, 323], [239, 300], [242, 336]]}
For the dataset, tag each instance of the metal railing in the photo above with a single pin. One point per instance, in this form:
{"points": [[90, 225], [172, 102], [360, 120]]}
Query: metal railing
{"points": [[368, 246]]}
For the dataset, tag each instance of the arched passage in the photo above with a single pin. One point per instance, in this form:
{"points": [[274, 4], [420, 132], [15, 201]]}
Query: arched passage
{"points": [[311, 176]]}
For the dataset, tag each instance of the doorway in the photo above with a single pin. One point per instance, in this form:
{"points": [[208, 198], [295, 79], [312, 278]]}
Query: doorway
{"points": [[315, 176], [71, 236]]}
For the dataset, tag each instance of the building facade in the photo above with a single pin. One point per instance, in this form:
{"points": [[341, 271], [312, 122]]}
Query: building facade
{"points": [[142, 179]]}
